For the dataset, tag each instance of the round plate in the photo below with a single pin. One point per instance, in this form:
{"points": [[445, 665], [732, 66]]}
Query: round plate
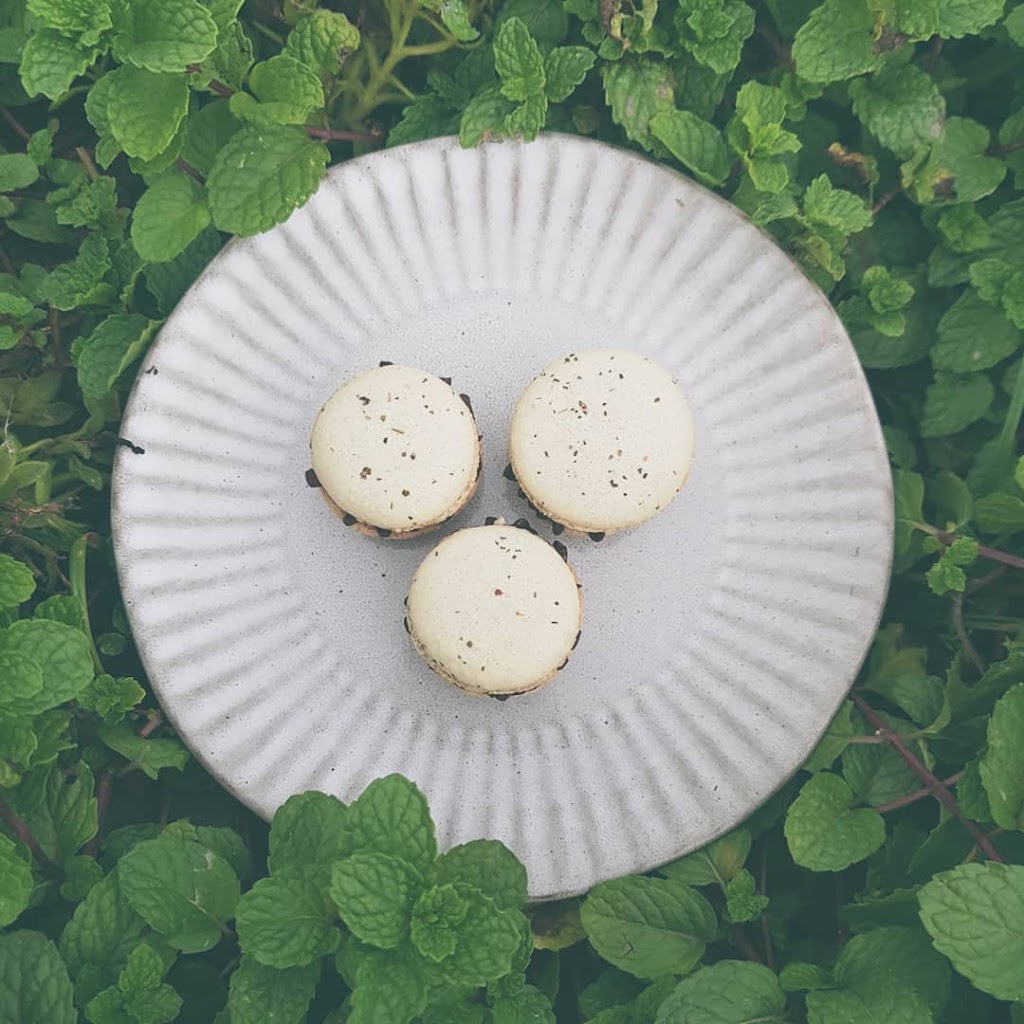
{"points": [[718, 639]]}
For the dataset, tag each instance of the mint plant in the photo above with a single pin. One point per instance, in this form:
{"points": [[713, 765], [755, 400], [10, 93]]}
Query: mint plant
{"points": [[883, 147]]}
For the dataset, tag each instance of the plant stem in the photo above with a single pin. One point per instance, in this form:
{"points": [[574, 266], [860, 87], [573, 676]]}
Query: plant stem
{"points": [[341, 136], [152, 725], [992, 554], [76, 572], [23, 835], [86, 159], [937, 789], [961, 632], [15, 124], [103, 788], [189, 170], [743, 943], [918, 794]]}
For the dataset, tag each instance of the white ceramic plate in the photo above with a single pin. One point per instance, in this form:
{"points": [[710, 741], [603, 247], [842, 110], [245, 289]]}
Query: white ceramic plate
{"points": [[718, 639]]}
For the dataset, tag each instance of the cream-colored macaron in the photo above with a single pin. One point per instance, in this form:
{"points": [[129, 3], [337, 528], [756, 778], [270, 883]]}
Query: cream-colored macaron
{"points": [[601, 440], [495, 610], [396, 450]]}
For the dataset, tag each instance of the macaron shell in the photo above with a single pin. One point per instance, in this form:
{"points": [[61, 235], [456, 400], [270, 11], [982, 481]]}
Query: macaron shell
{"points": [[495, 610], [602, 440], [396, 448]]}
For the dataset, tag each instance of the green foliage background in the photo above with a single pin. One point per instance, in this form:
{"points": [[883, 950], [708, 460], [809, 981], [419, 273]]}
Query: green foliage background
{"points": [[882, 143]]}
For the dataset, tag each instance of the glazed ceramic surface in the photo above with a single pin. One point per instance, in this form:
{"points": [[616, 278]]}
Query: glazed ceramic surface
{"points": [[718, 639]]}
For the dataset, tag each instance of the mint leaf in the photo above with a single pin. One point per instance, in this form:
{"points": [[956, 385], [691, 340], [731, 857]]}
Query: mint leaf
{"points": [[17, 583], [62, 654], [16, 171], [953, 402], [695, 143], [387, 993], [824, 832], [973, 915], [527, 1005], [145, 109], [169, 215], [518, 61], [321, 40], [999, 513], [714, 32], [21, 681], [15, 883], [58, 810], [715, 864], [391, 816], [742, 900], [80, 282], [877, 774], [835, 207], [901, 106], [260, 994], [104, 354], [167, 36], [801, 977], [956, 168], [261, 175], [309, 832], [111, 698], [436, 917], [648, 926], [34, 984], [564, 68], [183, 890], [972, 335], [728, 992], [148, 755], [870, 1006], [429, 116], [168, 282], [85, 20], [287, 90], [836, 42], [375, 893], [487, 940], [484, 118], [1002, 764], [489, 866], [284, 923], [636, 91], [206, 131]]}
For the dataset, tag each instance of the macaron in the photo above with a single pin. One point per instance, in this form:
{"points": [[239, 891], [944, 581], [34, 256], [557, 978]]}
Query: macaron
{"points": [[601, 440], [495, 610], [396, 451]]}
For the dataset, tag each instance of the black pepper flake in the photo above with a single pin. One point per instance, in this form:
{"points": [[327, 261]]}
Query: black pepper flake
{"points": [[364, 399], [562, 550], [312, 480], [405, 494], [498, 593], [597, 536], [365, 472]]}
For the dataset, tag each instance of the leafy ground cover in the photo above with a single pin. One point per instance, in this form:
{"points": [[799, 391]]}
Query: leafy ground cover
{"points": [[882, 143]]}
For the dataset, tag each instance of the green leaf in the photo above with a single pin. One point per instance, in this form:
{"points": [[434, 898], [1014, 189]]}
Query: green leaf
{"points": [[183, 890], [801, 977], [486, 865], [428, 117], [636, 90], [955, 19], [15, 884], [263, 995], [114, 344], [34, 984], [896, 957], [824, 832], [546, 19], [168, 282], [283, 922], [375, 893], [17, 583], [85, 19], [518, 61], [836, 42], [436, 917], [111, 698], [484, 118], [387, 993], [526, 1006], [695, 143], [973, 915], [728, 992], [956, 168], [321, 40], [206, 132], [148, 755], [487, 940], [391, 816], [871, 1006], [62, 654], [565, 68], [836, 738], [964, 229], [715, 864], [50, 62], [167, 36], [168, 215], [901, 106], [80, 282], [876, 774], [714, 33], [648, 926], [287, 89], [835, 207], [81, 875], [145, 109], [1002, 764], [999, 513], [261, 175], [16, 171], [973, 335], [742, 901], [954, 402], [59, 810], [309, 832]]}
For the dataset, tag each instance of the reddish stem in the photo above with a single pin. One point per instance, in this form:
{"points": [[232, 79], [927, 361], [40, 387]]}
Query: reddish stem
{"points": [[15, 124], [885, 200], [103, 788], [340, 136], [918, 794], [937, 789], [189, 170], [21, 833], [152, 725]]}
